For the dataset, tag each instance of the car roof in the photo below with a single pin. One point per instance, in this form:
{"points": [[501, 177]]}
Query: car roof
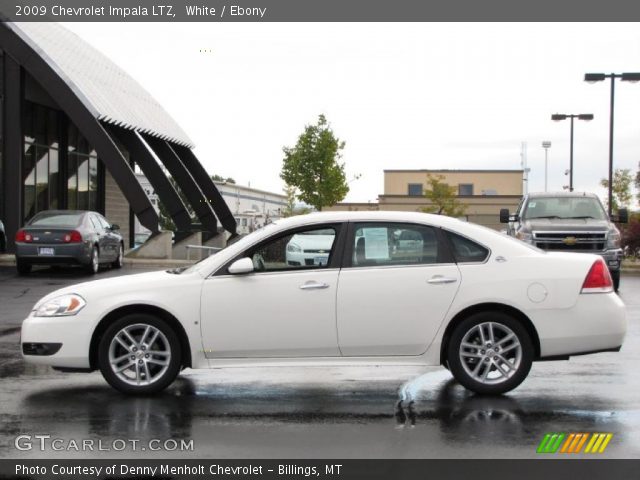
{"points": [[562, 194], [364, 216]]}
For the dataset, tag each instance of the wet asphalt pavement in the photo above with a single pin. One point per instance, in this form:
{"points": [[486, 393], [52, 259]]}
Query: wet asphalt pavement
{"points": [[383, 412]]}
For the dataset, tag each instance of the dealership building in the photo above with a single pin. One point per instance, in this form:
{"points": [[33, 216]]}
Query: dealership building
{"points": [[75, 128], [482, 193]]}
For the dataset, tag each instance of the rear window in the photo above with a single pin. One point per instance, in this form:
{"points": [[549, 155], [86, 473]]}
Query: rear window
{"points": [[58, 219], [465, 250]]}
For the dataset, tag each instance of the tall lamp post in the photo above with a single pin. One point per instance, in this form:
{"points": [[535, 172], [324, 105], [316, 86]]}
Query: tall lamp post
{"points": [[599, 77], [546, 145], [556, 117]]}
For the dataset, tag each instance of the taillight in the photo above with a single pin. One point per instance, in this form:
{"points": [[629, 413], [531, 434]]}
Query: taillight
{"points": [[72, 237], [24, 237], [598, 279]]}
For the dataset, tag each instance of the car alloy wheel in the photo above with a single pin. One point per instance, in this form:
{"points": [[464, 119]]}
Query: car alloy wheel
{"points": [[119, 261], [139, 353], [490, 353], [94, 262]]}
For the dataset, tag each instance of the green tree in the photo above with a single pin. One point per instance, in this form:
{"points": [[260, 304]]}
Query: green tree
{"points": [[313, 166], [219, 178], [622, 180], [443, 198], [290, 209], [637, 181]]}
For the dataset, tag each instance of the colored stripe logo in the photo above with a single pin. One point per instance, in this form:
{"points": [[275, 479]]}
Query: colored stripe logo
{"points": [[574, 442]]}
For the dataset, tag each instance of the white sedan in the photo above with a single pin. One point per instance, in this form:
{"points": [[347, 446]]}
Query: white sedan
{"points": [[477, 302]]}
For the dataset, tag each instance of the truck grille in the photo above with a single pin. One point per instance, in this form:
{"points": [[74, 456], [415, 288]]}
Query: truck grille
{"points": [[570, 241]]}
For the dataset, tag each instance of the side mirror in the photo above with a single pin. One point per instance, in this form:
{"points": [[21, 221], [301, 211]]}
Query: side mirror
{"points": [[115, 227], [504, 215], [623, 215], [244, 265]]}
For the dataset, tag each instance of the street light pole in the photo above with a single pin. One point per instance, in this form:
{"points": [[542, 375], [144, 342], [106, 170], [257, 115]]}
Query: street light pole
{"points": [[610, 193], [546, 145], [599, 77], [563, 116], [571, 157]]}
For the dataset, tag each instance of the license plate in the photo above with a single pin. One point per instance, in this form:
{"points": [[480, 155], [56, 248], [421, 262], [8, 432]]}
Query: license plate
{"points": [[45, 251], [320, 260]]}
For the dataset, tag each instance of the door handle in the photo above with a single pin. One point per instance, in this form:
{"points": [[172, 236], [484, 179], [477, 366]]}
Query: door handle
{"points": [[439, 280], [313, 286]]}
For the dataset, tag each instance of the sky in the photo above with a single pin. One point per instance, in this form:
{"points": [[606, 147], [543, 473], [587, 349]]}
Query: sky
{"points": [[402, 96]]}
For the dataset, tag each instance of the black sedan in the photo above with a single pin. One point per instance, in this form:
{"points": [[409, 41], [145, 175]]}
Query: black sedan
{"points": [[71, 237]]}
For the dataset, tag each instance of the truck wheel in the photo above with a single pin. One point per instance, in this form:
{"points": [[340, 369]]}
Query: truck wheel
{"points": [[615, 276]]}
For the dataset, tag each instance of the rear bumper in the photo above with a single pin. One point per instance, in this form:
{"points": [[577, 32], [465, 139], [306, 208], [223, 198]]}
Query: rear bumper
{"points": [[597, 322], [76, 253]]}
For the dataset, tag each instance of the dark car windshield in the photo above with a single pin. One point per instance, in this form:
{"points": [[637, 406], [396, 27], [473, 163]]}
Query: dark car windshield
{"points": [[57, 219], [564, 208]]}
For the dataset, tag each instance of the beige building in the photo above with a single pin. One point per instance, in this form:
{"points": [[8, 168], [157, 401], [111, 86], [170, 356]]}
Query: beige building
{"points": [[482, 192]]}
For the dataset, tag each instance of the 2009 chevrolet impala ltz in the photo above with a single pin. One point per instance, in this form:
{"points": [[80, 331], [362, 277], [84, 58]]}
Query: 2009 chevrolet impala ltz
{"points": [[388, 288]]}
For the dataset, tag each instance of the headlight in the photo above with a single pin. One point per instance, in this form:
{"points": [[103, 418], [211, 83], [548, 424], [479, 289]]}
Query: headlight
{"points": [[61, 306], [613, 239], [525, 237], [293, 248]]}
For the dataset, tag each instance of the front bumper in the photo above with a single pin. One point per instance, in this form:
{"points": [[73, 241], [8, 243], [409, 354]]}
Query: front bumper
{"points": [[74, 253], [73, 333]]}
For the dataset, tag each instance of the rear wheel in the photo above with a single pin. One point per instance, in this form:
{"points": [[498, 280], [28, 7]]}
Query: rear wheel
{"points": [[615, 276], [490, 353], [139, 354], [119, 260], [23, 267], [94, 262]]}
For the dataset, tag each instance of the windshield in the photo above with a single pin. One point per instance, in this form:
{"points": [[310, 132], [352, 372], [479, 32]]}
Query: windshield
{"points": [[239, 242], [57, 219], [565, 208]]}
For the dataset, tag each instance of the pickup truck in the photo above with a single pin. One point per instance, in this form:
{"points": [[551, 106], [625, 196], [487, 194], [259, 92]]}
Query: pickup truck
{"points": [[568, 222]]}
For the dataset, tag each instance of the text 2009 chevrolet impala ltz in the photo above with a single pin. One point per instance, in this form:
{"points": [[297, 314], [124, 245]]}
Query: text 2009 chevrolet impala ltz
{"points": [[373, 288]]}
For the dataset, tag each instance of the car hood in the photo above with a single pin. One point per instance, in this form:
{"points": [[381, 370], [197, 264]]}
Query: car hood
{"points": [[563, 225], [141, 282]]}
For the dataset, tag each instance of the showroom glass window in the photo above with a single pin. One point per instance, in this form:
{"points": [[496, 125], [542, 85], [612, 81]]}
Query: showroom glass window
{"points": [[58, 171], [391, 244], [82, 165], [302, 250], [40, 167]]}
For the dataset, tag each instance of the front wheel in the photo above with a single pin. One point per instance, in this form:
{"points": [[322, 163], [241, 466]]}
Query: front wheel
{"points": [[490, 353], [139, 354]]}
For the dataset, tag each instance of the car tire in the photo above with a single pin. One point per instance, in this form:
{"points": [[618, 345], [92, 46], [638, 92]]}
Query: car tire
{"points": [[3, 243], [94, 262], [149, 364], [119, 260], [23, 267], [481, 368], [615, 276]]}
